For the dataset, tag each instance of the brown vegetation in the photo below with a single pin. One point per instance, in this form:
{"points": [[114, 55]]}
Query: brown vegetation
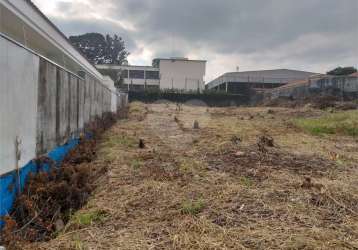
{"points": [[247, 178]]}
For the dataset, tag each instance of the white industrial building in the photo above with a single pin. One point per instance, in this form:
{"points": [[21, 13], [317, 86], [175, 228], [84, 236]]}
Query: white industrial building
{"points": [[165, 73], [243, 82], [181, 73]]}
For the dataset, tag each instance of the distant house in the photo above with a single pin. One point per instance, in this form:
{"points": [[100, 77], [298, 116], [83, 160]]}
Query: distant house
{"points": [[340, 86], [244, 82], [165, 73]]}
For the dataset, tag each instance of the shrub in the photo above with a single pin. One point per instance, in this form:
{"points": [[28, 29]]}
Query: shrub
{"points": [[192, 207]]}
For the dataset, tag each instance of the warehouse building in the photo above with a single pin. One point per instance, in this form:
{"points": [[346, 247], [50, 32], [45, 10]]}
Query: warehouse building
{"points": [[245, 82], [176, 73]]}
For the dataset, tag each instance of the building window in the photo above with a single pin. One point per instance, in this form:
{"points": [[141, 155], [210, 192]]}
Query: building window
{"points": [[152, 75], [136, 74]]}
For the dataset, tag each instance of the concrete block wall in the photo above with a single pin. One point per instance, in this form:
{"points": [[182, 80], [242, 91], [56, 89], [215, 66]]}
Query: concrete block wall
{"points": [[63, 101], [18, 104], [44, 108], [66, 104], [46, 105]]}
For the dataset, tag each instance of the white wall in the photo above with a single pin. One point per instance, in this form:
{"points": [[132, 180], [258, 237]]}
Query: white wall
{"points": [[18, 104], [182, 74], [42, 104], [110, 84]]}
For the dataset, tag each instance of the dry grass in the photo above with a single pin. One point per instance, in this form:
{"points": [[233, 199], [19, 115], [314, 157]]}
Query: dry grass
{"points": [[200, 189]]}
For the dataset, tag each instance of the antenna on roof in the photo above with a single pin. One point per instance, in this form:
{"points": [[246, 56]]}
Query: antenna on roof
{"points": [[172, 45]]}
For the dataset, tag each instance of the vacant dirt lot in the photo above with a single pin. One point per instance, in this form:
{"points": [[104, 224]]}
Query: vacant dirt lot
{"points": [[247, 178]]}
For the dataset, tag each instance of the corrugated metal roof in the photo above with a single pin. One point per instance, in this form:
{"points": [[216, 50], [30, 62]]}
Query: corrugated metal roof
{"points": [[269, 71], [265, 76]]}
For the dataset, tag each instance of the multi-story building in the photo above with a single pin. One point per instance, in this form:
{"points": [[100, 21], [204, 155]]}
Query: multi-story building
{"points": [[174, 73], [181, 73]]}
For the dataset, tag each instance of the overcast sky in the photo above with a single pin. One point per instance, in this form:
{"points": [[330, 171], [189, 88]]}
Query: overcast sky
{"points": [[312, 35]]}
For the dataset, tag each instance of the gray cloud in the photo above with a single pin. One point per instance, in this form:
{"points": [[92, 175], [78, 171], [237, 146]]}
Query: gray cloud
{"points": [[81, 26], [317, 32], [244, 26]]}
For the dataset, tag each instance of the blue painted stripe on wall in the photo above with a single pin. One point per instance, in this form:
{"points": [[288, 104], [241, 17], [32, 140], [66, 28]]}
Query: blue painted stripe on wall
{"points": [[9, 184]]}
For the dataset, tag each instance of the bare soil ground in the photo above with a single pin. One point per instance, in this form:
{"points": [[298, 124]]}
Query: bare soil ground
{"points": [[247, 178]]}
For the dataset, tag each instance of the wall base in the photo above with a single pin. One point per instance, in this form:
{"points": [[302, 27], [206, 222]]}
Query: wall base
{"points": [[9, 185]]}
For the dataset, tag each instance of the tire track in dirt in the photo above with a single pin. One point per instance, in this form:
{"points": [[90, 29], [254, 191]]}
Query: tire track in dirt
{"points": [[161, 122]]}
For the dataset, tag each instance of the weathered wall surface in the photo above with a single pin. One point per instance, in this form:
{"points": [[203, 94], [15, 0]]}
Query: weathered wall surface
{"points": [[66, 103], [109, 83], [18, 104], [63, 102], [46, 115], [43, 105], [44, 108]]}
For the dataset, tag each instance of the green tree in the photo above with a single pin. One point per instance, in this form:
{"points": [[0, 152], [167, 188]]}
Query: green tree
{"points": [[342, 71], [100, 49]]}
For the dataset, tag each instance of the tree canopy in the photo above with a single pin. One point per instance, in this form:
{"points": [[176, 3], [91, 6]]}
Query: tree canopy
{"points": [[100, 49], [339, 71]]}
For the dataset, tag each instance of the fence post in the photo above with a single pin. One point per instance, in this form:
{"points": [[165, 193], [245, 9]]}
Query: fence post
{"points": [[145, 79], [342, 88]]}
